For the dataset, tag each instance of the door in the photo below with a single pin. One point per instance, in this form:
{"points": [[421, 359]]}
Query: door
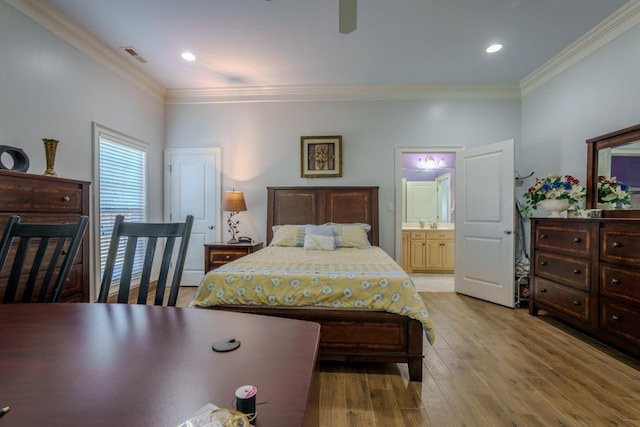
{"points": [[484, 223], [192, 186], [444, 197]]}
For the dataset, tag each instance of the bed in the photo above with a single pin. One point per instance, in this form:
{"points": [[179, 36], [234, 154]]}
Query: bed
{"points": [[387, 323]]}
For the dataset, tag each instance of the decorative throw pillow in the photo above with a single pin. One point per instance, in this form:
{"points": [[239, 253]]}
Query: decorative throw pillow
{"points": [[321, 230], [288, 235], [350, 236], [318, 242]]}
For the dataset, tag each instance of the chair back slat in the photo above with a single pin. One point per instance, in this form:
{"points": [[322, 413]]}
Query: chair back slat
{"points": [[42, 257], [151, 235]]}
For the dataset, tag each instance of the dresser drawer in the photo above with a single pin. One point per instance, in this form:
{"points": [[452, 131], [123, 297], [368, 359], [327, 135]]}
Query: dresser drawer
{"points": [[620, 283], [620, 244], [571, 271], [574, 240], [564, 299], [18, 195], [72, 289], [223, 256], [620, 320]]}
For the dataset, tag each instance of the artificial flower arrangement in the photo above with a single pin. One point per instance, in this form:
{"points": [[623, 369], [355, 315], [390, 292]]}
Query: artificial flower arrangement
{"points": [[554, 186], [613, 192]]}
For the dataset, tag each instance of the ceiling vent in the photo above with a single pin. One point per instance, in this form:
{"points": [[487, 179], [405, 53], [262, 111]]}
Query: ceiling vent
{"points": [[134, 53]]}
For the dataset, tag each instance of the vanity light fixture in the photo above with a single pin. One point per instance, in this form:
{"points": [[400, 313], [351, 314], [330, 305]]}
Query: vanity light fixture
{"points": [[421, 164], [442, 163], [494, 48], [188, 56], [430, 162]]}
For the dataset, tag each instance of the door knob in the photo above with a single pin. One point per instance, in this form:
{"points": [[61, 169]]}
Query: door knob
{"points": [[507, 231], [211, 227]]}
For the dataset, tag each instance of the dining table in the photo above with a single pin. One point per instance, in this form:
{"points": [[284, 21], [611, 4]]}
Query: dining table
{"points": [[90, 364]]}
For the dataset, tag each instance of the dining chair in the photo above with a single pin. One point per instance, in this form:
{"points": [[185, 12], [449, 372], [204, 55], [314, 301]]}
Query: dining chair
{"points": [[147, 235], [38, 256]]}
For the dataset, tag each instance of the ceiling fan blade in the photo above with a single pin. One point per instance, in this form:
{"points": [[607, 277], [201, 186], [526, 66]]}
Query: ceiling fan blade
{"points": [[348, 15]]}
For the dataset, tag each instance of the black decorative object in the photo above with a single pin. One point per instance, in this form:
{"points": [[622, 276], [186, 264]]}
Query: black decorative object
{"points": [[20, 159]]}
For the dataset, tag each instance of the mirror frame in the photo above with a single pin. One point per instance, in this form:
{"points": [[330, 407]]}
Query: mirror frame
{"points": [[612, 139]]}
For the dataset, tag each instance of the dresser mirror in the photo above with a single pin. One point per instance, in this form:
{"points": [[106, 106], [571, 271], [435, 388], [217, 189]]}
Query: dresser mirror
{"points": [[616, 154]]}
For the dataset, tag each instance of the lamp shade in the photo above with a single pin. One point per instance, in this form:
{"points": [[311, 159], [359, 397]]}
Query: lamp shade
{"points": [[233, 201]]}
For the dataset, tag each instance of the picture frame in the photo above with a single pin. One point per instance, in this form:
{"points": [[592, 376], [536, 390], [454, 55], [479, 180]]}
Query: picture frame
{"points": [[321, 156]]}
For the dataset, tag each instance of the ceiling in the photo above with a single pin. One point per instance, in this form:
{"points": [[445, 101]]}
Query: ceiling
{"points": [[249, 43]]}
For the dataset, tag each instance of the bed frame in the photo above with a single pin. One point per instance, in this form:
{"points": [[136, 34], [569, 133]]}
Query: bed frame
{"points": [[346, 335]]}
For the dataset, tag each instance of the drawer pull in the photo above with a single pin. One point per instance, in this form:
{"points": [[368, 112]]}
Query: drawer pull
{"points": [[576, 271], [543, 262], [615, 281], [617, 245], [543, 236], [577, 240], [615, 317], [576, 302], [66, 198], [227, 257], [543, 290]]}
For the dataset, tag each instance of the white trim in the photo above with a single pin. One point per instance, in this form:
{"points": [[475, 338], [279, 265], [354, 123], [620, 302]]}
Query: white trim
{"points": [[399, 187], [51, 19], [614, 26], [352, 92]]}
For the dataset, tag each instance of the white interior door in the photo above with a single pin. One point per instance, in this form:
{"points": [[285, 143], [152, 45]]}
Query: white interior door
{"points": [[484, 223], [192, 187]]}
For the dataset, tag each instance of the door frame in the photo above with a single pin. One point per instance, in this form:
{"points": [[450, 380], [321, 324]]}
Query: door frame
{"points": [[215, 153], [399, 188]]}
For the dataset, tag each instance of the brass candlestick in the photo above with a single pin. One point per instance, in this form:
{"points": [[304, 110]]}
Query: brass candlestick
{"points": [[50, 146]]}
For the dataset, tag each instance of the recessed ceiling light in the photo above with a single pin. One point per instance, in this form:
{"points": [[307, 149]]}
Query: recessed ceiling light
{"points": [[494, 48], [188, 56]]}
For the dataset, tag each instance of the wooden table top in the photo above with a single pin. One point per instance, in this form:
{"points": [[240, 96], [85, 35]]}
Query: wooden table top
{"points": [[136, 365]]}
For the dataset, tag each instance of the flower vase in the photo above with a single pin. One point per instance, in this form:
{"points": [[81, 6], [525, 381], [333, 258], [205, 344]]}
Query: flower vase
{"points": [[555, 207], [50, 146]]}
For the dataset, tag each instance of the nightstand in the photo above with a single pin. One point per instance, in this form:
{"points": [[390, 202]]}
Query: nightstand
{"points": [[219, 253]]}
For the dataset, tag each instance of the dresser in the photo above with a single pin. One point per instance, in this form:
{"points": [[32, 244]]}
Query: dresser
{"points": [[39, 198], [586, 272], [220, 253]]}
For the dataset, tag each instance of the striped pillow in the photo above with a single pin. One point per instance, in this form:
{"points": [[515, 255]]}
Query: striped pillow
{"points": [[318, 242]]}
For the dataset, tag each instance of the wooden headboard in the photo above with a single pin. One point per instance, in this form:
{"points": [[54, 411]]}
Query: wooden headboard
{"points": [[317, 205]]}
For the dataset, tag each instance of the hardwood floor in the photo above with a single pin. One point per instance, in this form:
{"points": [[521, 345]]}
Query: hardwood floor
{"points": [[489, 366]]}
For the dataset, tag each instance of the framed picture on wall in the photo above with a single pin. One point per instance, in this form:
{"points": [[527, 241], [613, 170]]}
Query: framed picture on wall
{"points": [[321, 156]]}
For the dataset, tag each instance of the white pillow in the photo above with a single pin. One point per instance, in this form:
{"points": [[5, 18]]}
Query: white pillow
{"points": [[318, 242]]}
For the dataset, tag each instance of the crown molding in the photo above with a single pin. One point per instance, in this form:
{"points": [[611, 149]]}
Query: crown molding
{"points": [[51, 19], [355, 92], [615, 25]]}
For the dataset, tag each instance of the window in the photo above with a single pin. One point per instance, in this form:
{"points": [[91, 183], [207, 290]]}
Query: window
{"points": [[121, 189]]}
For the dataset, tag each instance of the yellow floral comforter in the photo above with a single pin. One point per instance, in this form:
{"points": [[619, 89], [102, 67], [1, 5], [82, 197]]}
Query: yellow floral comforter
{"points": [[293, 277]]}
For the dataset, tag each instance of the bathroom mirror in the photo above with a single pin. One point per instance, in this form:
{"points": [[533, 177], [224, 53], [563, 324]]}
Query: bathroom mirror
{"points": [[615, 154]]}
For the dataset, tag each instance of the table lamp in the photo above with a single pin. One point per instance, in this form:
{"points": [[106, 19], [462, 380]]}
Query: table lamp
{"points": [[233, 201]]}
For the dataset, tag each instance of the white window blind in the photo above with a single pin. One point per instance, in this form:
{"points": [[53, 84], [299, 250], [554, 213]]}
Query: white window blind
{"points": [[123, 171]]}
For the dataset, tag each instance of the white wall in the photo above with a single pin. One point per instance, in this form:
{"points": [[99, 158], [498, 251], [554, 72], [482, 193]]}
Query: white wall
{"points": [[261, 142], [596, 96], [49, 89]]}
